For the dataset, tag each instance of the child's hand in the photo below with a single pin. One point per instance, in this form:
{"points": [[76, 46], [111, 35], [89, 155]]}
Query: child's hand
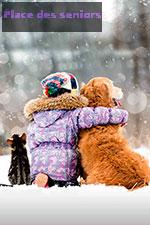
{"points": [[118, 116]]}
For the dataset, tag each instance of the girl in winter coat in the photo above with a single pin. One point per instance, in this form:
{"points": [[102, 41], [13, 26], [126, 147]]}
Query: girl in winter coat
{"points": [[56, 119]]}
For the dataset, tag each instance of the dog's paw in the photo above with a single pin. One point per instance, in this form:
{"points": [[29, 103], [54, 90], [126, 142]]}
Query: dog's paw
{"points": [[82, 181]]}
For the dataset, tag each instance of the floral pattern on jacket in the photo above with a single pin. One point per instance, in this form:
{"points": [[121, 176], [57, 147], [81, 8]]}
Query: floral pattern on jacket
{"points": [[53, 134]]}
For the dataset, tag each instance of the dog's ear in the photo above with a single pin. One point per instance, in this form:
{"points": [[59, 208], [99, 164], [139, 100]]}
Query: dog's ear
{"points": [[87, 91], [23, 138], [105, 90], [106, 95], [9, 142]]}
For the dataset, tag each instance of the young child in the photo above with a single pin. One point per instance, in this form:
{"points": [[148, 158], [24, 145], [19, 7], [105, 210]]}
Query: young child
{"points": [[56, 119]]}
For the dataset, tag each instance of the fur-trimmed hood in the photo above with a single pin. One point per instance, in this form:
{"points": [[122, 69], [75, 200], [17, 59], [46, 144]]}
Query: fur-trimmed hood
{"points": [[65, 101]]}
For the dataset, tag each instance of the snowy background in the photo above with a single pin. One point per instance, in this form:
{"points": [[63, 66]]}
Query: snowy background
{"points": [[120, 52], [86, 205]]}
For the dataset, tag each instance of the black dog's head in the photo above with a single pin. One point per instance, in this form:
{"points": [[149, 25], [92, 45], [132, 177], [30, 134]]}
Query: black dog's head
{"points": [[19, 171], [17, 142]]}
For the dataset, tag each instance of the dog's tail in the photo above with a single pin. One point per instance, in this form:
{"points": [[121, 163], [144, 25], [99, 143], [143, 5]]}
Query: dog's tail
{"points": [[139, 185], [142, 179]]}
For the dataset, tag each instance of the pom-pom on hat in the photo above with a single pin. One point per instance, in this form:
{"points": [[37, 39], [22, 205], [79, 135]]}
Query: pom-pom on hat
{"points": [[54, 83]]}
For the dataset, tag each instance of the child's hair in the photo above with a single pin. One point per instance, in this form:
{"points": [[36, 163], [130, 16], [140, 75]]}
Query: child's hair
{"points": [[60, 92]]}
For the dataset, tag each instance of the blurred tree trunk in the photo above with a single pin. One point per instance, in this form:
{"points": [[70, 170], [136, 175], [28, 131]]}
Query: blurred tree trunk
{"points": [[132, 33], [136, 85]]}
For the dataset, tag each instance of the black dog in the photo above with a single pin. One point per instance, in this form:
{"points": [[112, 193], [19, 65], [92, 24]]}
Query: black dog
{"points": [[19, 171]]}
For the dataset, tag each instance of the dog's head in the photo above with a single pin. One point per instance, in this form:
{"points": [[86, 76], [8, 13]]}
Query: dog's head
{"points": [[17, 142], [101, 91]]}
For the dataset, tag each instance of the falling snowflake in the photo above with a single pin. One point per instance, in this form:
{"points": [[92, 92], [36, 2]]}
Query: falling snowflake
{"points": [[19, 79], [4, 58]]}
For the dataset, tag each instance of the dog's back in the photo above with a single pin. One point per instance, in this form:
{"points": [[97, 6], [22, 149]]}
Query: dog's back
{"points": [[105, 154]]}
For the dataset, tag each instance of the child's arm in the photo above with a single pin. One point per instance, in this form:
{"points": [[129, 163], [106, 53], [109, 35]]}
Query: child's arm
{"points": [[89, 117]]}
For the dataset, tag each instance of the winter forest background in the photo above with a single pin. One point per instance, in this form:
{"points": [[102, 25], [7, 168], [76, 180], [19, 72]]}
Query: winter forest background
{"points": [[121, 52]]}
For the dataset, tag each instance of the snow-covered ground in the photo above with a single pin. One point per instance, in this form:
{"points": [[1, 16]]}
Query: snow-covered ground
{"points": [[86, 205]]}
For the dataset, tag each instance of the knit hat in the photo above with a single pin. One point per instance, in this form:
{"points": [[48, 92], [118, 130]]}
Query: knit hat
{"points": [[53, 83]]}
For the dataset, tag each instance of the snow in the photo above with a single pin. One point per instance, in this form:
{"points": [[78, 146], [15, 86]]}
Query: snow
{"points": [[4, 166], [90, 205]]}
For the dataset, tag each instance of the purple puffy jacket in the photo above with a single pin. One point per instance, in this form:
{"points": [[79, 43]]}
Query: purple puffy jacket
{"points": [[53, 134]]}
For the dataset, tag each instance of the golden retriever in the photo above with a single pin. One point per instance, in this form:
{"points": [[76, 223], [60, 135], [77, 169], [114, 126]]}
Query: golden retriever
{"points": [[106, 157]]}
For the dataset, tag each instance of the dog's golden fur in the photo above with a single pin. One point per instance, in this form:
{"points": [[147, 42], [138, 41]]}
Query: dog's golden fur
{"points": [[105, 154]]}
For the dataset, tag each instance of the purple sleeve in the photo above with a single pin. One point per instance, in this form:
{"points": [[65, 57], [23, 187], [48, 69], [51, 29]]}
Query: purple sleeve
{"points": [[31, 142], [118, 116], [89, 117]]}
